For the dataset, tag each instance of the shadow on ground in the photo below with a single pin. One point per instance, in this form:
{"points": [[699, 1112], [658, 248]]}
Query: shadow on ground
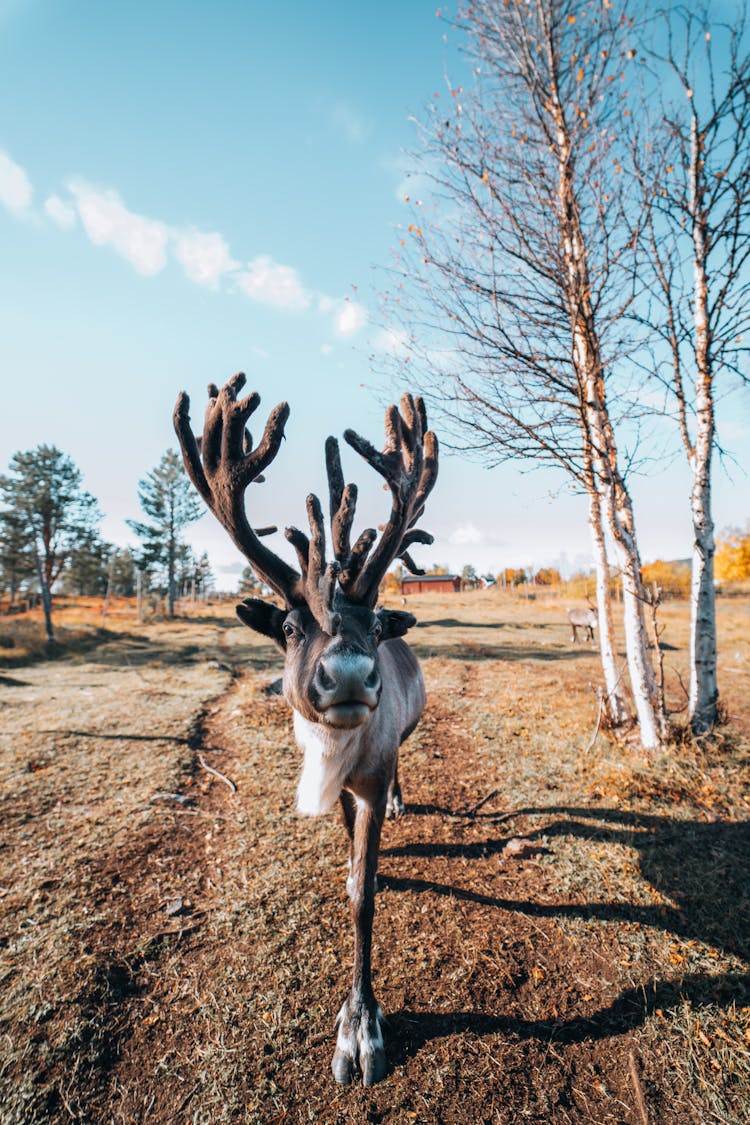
{"points": [[453, 623], [468, 653], [701, 867], [410, 1031]]}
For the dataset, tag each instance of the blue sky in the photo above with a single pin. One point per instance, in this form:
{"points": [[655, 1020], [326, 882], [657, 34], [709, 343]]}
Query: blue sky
{"points": [[191, 189]]}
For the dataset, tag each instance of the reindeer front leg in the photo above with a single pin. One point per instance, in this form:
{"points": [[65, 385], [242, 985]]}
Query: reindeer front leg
{"points": [[360, 1039]]}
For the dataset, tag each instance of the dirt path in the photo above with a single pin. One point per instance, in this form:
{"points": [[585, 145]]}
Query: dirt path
{"points": [[544, 959]]}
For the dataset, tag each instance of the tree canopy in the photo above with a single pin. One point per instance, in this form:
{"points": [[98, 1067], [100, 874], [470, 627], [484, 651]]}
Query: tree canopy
{"points": [[169, 502], [49, 516]]}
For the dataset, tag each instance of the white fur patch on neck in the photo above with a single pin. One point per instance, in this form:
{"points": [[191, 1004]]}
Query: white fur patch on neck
{"points": [[329, 756]]}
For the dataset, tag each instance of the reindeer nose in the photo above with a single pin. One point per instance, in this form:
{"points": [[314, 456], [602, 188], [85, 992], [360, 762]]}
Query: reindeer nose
{"points": [[347, 677]]}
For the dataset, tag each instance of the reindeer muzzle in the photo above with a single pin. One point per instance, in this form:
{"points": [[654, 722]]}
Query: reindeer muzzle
{"points": [[347, 688]]}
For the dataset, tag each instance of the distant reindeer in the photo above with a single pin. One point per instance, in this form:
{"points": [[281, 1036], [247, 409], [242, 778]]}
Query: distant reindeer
{"points": [[587, 619], [355, 687]]}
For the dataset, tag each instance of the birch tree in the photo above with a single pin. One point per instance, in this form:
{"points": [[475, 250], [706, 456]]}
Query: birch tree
{"points": [[698, 248], [512, 300]]}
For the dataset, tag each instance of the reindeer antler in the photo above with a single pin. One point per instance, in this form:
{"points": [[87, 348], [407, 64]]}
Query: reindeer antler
{"points": [[318, 577], [409, 464], [223, 463]]}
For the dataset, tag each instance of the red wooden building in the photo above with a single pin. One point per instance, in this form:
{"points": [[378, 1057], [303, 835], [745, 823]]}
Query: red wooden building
{"points": [[431, 584]]}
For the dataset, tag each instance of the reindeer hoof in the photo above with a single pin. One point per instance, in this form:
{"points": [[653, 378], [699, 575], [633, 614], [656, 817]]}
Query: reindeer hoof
{"points": [[374, 1068], [342, 1067], [359, 1044], [395, 807]]}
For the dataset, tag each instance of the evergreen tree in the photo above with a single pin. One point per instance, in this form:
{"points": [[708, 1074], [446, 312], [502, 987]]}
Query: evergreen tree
{"points": [[122, 570], [43, 492], [16, 554], [193, 574], [87, 571], [250, 586], [204, 579], [167, 500]]}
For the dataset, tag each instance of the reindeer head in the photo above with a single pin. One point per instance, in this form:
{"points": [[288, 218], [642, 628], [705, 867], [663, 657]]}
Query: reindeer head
{"points": [[329, 628]]}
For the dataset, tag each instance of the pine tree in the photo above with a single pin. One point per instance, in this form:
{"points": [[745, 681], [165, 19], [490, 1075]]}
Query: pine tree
{"points": [[87, 571], [16, 555], [43, 491], [250, 586], [122, 569], [167, 500]]}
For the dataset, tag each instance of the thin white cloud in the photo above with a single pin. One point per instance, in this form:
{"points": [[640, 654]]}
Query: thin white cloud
{"points": [[350, 318], [61, 212], [272, 284], [108, 222], [148, 243], [394, 341], [412, 187], [15, 186], [467, 534], [413, 181], [205, 258], [348, 121]]}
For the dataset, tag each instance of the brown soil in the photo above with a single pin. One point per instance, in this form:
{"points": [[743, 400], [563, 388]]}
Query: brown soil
{"points": [[562, 933]]}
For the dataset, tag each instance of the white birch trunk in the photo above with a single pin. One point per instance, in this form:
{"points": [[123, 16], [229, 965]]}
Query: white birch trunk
{"points": [[617, 506], [704, 690], [615, 703], [599, 437], [651, 721]]}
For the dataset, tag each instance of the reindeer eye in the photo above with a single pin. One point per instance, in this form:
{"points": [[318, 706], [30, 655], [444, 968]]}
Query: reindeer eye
{"points": [[377, 629], [289, 629]]}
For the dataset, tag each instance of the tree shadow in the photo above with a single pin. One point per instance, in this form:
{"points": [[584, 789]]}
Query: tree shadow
{"points": [[409, 1031], [70, 641], [467, 654], [701, 868], [228, 622], [122, 736], [137, 652], [481, 849], [11, 681], [454, 623]]}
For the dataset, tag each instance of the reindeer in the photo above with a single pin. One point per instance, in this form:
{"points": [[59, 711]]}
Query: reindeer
{"points": [[586, 619], [354, 685]]}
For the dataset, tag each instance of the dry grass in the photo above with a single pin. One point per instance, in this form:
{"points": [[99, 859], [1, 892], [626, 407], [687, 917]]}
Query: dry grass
{"points": [[171, 959]]}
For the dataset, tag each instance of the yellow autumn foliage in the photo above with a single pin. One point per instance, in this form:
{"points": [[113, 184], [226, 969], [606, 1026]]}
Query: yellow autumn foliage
{"points": [[732, 558], [672, 578]]}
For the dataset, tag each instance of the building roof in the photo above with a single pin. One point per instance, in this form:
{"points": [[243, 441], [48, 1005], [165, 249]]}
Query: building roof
{"points": [[430, 578]]}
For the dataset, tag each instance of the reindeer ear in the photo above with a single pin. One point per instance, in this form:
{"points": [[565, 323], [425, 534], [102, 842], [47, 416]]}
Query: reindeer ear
{"points": [[263, 618], [395, 623]]}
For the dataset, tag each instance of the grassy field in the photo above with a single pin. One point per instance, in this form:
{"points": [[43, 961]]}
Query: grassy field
{"points": [[562, 932]]}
